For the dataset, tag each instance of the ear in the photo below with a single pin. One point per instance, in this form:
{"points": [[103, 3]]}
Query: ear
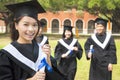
{"points": [[16, 26]]}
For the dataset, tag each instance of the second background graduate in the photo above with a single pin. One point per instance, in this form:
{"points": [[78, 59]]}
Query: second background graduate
{"points": [[66, 52]]}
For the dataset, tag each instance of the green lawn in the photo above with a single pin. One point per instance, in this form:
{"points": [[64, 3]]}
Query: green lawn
{"points": [[83, 64]]}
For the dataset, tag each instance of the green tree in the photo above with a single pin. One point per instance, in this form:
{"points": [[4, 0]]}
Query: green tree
{"points": [[108, 9], [5, 15]]}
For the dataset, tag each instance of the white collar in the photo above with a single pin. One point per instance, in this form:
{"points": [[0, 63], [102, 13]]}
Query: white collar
{"points": [[66, 45], [102, 45], [43, 41], [15, 53]]}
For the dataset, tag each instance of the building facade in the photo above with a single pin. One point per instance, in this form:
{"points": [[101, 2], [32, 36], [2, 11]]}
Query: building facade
{"points": [[82, 22]]}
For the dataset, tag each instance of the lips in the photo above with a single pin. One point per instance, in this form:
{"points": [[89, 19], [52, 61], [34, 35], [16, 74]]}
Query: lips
{"points": [[30, 35]]}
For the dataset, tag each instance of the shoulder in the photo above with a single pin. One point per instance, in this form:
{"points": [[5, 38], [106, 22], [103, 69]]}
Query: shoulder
{"points": [[3, 54], [3, 51]]}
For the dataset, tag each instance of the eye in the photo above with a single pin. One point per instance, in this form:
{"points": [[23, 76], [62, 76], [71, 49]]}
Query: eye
{"points": [[35, 25], [25, 24]]}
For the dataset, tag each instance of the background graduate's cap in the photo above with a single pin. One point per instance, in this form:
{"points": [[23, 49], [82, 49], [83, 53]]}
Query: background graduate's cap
{"points": [[66, 27], [29, 8], [101, 21], [42, 24]]}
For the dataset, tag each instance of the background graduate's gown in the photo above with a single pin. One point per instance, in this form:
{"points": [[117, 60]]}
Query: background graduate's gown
{"points": [[40, 39], [101, 57], [13, 69], [68, 66], [56, 75]]}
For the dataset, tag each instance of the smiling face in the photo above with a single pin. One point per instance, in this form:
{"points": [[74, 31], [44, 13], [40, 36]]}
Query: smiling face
{"points": [[27, 29], [99, 29], [67, 34]]}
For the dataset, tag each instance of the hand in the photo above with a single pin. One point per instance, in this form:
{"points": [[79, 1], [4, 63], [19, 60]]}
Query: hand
{"points": [[110, 67], [89, 55], [38, 76], [75, 48], [64, 56], [46, 49]]}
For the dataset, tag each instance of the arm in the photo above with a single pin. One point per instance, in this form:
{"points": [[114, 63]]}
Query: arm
{"points": [[47, 50], [87, 48], [5, 68], [112, 52], [58, 52], [78, 50]]}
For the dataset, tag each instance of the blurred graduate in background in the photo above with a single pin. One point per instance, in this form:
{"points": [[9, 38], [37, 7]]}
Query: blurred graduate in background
{"points": [[67, 50], [42, 40], [100, 48]]}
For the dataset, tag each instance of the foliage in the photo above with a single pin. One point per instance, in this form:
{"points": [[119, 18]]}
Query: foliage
{"points": [[4, 13], [4, 2], [108, 9]]}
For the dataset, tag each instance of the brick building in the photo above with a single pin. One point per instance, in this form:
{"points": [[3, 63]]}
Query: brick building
{"points": [[82, 21]]}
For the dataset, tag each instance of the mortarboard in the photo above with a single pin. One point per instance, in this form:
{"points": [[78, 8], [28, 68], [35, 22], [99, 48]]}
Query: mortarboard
{"points": [[101, 21], [29, 8], [68, 27]]}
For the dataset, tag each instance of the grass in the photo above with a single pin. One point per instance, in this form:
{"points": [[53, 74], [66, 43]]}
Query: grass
{"points": [[83, 64]]}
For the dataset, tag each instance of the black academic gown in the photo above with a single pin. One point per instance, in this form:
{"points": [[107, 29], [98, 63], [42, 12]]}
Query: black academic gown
{"points": [[68, 66], [101, 56], [12, 69], [39, 39]]}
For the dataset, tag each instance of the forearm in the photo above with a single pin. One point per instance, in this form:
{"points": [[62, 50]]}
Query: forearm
{"points": [[49, 61]]}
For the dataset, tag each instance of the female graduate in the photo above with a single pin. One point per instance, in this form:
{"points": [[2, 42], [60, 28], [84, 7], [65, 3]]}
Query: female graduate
{"points": [[101, 49], [22, 58], [66, 52]]}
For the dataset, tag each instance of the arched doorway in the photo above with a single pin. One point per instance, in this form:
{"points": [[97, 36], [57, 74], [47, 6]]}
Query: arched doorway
{"points": [[55, 26], [45, 27], [91, 26], [67, 22], [79, 26]]}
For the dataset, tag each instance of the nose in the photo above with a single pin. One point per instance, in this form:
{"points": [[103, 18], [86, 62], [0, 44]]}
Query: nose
{"points": [[30, 28]]}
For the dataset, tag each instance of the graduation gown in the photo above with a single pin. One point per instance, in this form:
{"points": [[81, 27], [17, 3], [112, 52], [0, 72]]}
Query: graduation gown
{"points": [[103, 54], [68, 65], [42, 39], [13, 69]]}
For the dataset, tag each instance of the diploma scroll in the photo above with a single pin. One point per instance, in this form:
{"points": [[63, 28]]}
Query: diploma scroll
{"points": [[91, 49]]}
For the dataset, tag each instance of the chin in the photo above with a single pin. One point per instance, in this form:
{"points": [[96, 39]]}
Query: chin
{"points": [[30, 39]]}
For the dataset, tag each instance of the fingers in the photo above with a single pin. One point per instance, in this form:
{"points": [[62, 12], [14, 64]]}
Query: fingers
{"points": [[89, 55], [110, 67], [46, 49], [64, 55], [46, 46], [40, 75], [75, 48]]}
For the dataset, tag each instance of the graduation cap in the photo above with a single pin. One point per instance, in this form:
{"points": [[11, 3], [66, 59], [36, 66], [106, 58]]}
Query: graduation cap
{"points": [[101, 21], [66, 27], [42, 24], [29, 8]]}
